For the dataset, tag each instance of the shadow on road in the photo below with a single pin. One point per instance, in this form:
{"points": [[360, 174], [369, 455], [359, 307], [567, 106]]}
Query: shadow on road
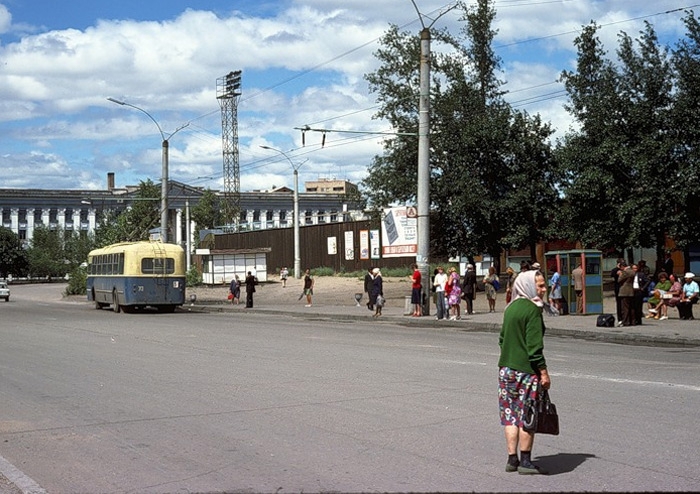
{"points": [[562, 462]]}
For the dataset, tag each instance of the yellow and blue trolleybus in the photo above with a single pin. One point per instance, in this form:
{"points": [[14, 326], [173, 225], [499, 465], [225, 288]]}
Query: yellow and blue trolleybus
{"points": [[135, 275]]}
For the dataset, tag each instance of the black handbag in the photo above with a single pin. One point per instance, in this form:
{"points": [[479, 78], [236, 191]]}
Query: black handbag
{"points": [[540, 416], [605, 321]]}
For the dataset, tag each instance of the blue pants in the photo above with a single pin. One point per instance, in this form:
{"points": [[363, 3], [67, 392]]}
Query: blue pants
{"points": [[441, 305]]}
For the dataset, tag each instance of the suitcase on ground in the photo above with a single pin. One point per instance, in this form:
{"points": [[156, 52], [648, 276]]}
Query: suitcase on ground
{"points": [[606, 321]]}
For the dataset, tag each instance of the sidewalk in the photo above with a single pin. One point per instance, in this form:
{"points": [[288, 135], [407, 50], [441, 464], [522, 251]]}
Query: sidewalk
{"points": [[670, 333]]}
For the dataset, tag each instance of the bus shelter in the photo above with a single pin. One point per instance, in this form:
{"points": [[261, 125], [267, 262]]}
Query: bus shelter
{"points": [[591, 276]]}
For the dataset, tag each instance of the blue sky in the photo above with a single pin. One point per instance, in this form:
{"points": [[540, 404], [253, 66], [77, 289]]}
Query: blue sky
{"points": [[303, 62]]}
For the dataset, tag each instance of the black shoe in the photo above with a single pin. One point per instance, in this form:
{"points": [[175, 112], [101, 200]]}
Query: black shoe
{"points": [[510, 467], [531, 469]]}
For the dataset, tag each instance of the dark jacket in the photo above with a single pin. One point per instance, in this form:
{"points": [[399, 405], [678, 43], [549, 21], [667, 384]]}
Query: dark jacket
{"points": [[469, 284], [368, 283], [250, 282]]}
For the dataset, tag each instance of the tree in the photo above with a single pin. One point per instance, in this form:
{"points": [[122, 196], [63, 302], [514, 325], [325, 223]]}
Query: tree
{"points": [[476, 150], [619, 163], [207, 213], [135, 222], [685, 194], [13, 258], [46, 253]]}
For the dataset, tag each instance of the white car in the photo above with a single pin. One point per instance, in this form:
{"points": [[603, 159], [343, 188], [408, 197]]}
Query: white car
{"points": [[4, 291]]}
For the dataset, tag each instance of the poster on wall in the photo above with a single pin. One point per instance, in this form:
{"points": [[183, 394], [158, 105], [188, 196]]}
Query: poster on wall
{"points": [[364, 245], [374, 243], [332, 246], [349, 246], [399, 232]]}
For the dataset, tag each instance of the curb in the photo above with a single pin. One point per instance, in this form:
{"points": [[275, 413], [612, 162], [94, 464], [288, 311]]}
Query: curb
{"points": [[429, 322]]}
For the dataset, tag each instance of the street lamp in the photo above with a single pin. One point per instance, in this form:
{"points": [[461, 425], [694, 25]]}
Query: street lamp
{"points": [[164, 174], [297, 255]]}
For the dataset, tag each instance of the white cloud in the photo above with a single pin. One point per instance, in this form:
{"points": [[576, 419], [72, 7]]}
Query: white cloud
{"points": [[305, 65]]}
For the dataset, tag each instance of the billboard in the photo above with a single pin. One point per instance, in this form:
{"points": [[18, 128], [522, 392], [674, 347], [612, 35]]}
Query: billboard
{"points": [[400, 232]]}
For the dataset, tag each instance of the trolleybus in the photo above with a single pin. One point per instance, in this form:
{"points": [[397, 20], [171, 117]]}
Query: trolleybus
{"points": [[134, 275]]}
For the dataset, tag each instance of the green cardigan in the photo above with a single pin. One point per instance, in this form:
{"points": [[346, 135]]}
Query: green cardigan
{"points": [[521, 338]]}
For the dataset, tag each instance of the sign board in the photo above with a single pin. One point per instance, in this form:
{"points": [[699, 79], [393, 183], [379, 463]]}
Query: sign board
{"points": [[400, 232]]}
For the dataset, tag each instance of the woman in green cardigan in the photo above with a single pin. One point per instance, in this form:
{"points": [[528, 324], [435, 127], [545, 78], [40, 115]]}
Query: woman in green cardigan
{"points": [[522, 366]]}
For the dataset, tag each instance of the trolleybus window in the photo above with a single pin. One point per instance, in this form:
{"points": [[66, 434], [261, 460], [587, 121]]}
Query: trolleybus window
{"points": [[150, 265]]}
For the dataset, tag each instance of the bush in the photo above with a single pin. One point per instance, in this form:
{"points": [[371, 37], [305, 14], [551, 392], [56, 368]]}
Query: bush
{"points": [[194, 277], [77, 283]]}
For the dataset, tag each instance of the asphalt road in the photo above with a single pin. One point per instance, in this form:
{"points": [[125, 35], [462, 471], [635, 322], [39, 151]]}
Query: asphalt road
{"points": [[94, 401]]}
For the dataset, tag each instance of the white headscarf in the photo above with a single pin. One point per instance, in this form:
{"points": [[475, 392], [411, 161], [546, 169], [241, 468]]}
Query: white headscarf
{"points": [[525, 286]]}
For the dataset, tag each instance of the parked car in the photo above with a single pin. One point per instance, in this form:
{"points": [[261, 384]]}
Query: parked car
{"points": [[4, 291]]}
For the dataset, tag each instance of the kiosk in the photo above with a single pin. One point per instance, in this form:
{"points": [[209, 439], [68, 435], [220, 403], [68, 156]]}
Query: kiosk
{"points": [[591, 295]]}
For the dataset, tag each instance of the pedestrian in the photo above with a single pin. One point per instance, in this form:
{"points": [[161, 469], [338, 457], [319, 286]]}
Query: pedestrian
{"points": [[689, 296], [490, 288], [308, 286], [439, 283], [235, 290], [469, 288], [284, 273], [615, 275], [522, 367], [416, 292], [641, 290], [250, 282], [368, 287], [668, 263], [626, 280], [377, 291], [454, 299], [555, 289], [577, 273], [510, 273]]}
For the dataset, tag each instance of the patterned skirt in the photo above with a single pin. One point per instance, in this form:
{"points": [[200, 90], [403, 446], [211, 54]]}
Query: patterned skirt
{"points": [[515, 388]]}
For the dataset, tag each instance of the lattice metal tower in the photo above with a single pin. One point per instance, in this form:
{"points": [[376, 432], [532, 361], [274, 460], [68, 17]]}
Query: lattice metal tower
{"points": [[228, 92]]}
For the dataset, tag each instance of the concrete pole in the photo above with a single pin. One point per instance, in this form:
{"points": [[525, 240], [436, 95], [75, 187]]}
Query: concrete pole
{"points": [[297, 254], [164, 195], [423, 205]]}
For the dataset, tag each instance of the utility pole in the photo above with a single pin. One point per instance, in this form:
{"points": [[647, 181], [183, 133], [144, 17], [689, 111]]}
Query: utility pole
{"points": [[423, 194], [164, 186]]}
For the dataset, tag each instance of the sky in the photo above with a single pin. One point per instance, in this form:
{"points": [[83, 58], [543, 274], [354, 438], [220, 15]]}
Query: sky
{"points": [[303, 62]]}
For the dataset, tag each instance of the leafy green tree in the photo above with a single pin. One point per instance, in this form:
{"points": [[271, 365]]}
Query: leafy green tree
{"points": [[619, 164], [13, 258], [480, 147], [46, 253], [206, 213], [135, 222], [684, 195]]}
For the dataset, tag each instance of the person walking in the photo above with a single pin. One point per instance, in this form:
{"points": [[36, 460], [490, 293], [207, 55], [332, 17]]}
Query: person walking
{"points": [[490, 289], [308, 286], [578, 287], [469, 288], [250, 282], [368, 287], [522, 367], [235, 290], [377, 291], [416, 289], [439, 283], [284, 273]]}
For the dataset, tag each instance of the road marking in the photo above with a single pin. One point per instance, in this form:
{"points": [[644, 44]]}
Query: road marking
{"points": [[627, 381], [19, 479]]}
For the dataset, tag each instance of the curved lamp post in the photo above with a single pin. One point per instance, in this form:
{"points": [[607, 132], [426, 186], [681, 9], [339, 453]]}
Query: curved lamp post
{"points": [[297, 255], [164, 174]]}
